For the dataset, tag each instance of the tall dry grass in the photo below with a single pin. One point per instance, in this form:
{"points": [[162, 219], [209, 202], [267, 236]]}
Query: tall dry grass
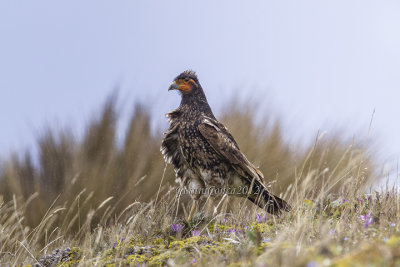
{"points": [[96, 167], [82, 188]]}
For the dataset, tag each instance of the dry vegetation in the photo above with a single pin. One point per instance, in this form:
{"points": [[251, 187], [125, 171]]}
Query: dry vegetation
{"points": [[98, 202]]}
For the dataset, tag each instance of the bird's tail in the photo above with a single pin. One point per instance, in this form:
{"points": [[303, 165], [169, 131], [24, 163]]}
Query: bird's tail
{"points": [[260, 196]]}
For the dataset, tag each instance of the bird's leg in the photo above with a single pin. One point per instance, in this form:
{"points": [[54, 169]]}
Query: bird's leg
{"points": [[209, 207], [191, 210]]}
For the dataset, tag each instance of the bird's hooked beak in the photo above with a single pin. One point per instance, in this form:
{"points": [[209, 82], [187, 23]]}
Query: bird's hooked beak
{"points": [[174, 86]]}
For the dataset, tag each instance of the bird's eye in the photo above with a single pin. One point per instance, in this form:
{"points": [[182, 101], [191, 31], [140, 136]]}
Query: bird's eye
{"points": [[187, 79]]}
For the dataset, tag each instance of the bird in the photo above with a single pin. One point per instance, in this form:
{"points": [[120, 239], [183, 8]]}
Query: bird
{"points": [[204, 154]]}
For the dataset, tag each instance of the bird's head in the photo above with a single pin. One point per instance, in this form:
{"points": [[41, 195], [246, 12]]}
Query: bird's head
{"points": [[186, 83]]}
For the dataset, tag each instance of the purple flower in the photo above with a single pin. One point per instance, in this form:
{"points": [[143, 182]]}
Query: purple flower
{"points": [[194, 260], [332, 231], [344, 200], [261, 219], [122, 239], [361, 201], [196, 233], [312, 264], [367, 219], [177, 227], [231, 231], [223, 220], [266, 240]]}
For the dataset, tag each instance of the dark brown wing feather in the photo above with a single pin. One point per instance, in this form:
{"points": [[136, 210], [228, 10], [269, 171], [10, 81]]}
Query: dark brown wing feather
{"points": [[223, 143]]}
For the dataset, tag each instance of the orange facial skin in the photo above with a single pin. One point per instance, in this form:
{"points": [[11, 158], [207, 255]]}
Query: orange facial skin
{"points": [[185, 86]]}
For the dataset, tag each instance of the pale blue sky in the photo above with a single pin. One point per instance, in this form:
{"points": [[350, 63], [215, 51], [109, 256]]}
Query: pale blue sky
{"points": [[317, 64]]}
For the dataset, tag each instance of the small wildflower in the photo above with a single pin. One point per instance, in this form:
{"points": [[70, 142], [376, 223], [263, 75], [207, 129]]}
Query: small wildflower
{"points": [[332, 231], [266, 240], [344, 201], [361, 201], [346, 238], [195, 233], [367, 219], [177, 227], [385, 239], [122, 239], [392, 224], [231, 231], [261, 219], [194, 261], [223, 220], [312, 264]]}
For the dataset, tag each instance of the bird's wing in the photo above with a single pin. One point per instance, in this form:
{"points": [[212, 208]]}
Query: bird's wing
{"points": [[223, 143]]}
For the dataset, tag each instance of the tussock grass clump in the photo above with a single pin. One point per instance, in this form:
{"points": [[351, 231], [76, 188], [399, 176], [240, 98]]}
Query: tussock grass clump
{"points": [[99, 201]]}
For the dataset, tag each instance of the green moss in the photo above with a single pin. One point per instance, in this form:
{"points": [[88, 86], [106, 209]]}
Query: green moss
{"points": [[136, 241], [176, 244], [158, 241], [136, 258], [160, 259], [394, 241]]}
